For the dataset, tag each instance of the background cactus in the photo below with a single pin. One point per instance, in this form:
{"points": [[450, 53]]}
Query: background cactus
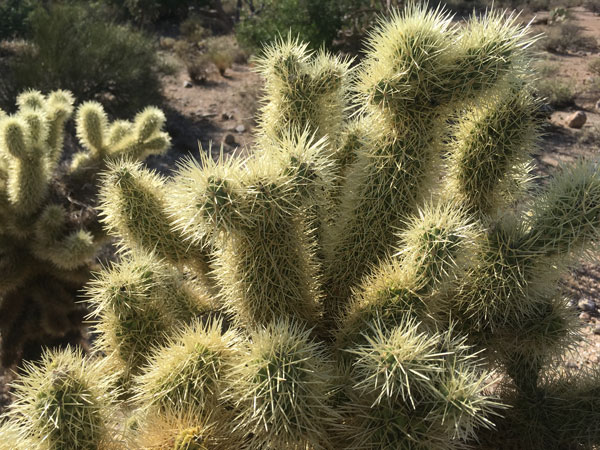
{"points": [[49, 232], [386, 281]]}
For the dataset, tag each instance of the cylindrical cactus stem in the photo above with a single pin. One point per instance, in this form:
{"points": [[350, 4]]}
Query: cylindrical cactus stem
{"points": [[489, 147], [437, 243], [539, 339], [58, 107], [118, 131], [142, 138], [488, 48], [565, 218], [65, 401], [52, 242], [187, 373], [282, 388], [304, 91], [505, 283], [92, 127], [387, 183], [137, 304], [408, 79], [133, 201], [435, 249], [30, 99], [390, 175], [255, 212], [389, 296], [27, 181]]}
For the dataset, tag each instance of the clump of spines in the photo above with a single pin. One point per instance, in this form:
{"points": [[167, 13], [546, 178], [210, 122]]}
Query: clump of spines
{"points": [[49, 234], [137, 303], [423, 300], [187, 373], [409, 388], [65, 401], [281, 388], [253, 211]]}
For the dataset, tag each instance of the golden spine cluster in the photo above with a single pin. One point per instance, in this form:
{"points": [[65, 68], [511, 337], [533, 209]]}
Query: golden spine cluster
{"points": [[379, 280]]}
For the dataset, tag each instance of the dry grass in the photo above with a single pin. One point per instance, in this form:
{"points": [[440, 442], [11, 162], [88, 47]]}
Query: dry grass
{"points": [[566, 37], [223, 51], [557, 93]]}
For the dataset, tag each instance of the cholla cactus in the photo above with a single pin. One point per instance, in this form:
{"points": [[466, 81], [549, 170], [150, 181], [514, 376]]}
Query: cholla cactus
{"points": [[67, 401], [382, 281], [49, 236]]}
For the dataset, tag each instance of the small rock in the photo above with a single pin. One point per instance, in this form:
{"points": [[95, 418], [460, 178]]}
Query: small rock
{"points": [[571, 365], [577, 119], [230, 139], [586, 304], [187, 84], [240, 128], [597, 328], [584, 316], [598, 106], [226, 116]]}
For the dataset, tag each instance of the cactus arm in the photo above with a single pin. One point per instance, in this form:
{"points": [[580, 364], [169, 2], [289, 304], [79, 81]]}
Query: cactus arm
{"points": [[59, 107], [304, 91], [137, 303], [92, 126], [253, 211], [27, 175], [565, 218], [72, 405], [133, 203], [143, 138], [30, 99], [489, 147]]}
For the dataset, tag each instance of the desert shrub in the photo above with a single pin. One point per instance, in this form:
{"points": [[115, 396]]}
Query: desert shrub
{"points": [[149, 11], [197, 69], [592, 5], [314, 21], [594, 66], [547, 69], [567, 36], [557, 93], [74, 48], [222, 51], [192, 29], [13, 15]]}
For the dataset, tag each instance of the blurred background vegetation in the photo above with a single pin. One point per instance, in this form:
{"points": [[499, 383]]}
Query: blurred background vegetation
{"points": [[116, 51]]}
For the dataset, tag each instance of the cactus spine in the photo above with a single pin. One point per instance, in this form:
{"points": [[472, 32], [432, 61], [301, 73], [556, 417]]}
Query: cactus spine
{"points": [[47, 239], [332, 303]]}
